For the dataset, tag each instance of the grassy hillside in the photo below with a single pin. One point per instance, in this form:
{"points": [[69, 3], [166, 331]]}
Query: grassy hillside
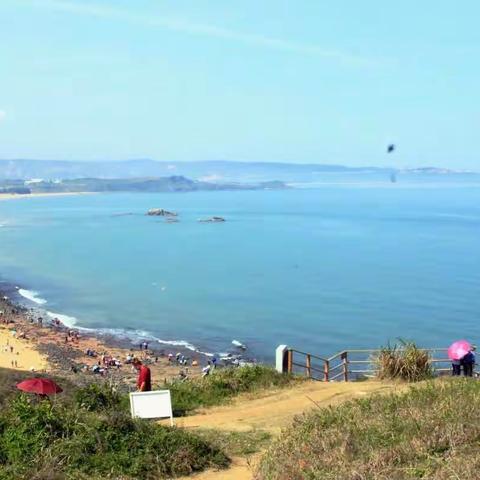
{"points": [[87, 433], [60, 440], [431, 432]]}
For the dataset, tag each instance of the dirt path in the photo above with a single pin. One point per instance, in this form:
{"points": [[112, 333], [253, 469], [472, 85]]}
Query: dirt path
{"points": [[273, 412]]}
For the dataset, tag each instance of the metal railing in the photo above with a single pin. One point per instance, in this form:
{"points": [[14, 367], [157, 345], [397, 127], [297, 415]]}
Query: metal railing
{"points": [[352, 364]]}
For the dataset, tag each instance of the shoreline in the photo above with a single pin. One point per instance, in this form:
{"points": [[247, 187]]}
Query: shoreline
{"points": [[123, 338], [120, 337], [48, 340], [45, 345], [18, 196]]}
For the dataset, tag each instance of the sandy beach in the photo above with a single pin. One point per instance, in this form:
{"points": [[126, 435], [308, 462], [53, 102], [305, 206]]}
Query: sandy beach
{"points": [[19, 354], [33, 343], [16, 196]]}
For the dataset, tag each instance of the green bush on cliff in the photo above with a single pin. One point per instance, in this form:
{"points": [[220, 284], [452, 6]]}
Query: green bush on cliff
{"points": [[43, 440], [98, 397]]}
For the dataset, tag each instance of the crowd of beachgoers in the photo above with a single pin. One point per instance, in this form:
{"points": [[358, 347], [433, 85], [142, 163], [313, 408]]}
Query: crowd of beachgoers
{"points": [[59, 348]]}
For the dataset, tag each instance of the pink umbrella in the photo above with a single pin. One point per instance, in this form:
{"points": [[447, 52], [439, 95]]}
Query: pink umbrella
{"points": [[457, 350]]}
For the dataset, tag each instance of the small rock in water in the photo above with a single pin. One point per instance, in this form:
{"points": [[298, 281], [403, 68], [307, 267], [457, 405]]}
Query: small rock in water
{"points": [[212, 220], [160, 212]]}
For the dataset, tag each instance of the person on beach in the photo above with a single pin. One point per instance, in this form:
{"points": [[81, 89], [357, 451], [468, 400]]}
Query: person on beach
{"points": [[206, 370], [144, 381]]}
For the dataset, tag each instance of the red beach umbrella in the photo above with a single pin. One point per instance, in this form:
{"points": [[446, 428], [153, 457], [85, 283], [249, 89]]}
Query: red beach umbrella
{"points": [[40, 386], [457, 350]]}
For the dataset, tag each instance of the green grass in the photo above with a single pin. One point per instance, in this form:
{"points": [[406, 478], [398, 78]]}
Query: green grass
{"points": [[430, 432], [224, 384], [94, 437], [87, 433], [236, 444]]}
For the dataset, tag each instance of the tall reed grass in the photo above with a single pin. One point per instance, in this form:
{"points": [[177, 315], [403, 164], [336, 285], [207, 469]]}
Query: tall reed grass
{"points": [[403, 362]]}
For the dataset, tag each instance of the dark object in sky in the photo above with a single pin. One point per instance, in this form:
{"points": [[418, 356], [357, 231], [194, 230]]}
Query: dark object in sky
{"points": [[391, 148]]}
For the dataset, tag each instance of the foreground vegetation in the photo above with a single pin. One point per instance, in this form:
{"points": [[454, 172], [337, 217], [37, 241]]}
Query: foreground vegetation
{"points": [[430, 432], [87, 433], [43, 440]]}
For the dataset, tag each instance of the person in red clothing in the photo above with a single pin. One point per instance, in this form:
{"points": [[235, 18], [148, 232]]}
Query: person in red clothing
{"points": [[144, 381]]}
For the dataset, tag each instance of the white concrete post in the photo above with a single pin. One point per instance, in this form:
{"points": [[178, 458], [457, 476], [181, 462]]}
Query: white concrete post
{"points": [[280, 358]]}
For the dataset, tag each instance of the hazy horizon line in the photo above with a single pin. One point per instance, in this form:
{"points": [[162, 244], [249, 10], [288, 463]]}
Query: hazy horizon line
{"points": [[244, 162]]}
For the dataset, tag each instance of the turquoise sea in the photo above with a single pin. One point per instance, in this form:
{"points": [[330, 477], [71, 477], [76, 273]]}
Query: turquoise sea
{"points": [[320, 269]]}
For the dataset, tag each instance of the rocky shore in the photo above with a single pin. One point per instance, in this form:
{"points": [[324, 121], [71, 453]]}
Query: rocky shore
{"points": [[63, 350]]}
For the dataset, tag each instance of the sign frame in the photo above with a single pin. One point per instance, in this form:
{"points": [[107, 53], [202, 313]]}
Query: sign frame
{"points": [[153, 393]]}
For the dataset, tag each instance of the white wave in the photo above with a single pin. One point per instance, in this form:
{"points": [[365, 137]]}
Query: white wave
{"points": [[133, 336], [137, 336], [184, 344], [177, 343], [32, 296], [67, 320]]}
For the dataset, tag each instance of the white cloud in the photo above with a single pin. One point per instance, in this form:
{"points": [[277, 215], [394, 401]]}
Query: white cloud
{"points": [[186, 27]]}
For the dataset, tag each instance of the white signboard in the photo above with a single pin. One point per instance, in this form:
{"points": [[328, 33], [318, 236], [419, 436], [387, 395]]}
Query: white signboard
{"points": [[156, 404]]}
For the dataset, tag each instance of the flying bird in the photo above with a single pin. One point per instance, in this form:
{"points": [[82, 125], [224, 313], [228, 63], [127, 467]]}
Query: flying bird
{"points": [[390, 148]]}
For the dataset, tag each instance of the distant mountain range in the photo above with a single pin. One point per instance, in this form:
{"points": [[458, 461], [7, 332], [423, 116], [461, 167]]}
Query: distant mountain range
{"points": [[207, 171]]}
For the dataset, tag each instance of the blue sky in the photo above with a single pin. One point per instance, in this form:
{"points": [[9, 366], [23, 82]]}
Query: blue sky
{"points": [[271, 80]]}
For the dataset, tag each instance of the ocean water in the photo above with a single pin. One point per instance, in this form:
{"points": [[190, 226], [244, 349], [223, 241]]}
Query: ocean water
{"points": [[320, 269]]}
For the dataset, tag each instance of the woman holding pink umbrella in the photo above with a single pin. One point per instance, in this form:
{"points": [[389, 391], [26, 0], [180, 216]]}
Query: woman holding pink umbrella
{"points": [[461, 354]]}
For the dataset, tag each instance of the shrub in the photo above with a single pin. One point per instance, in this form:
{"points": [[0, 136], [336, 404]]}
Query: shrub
{"points": [[431, 432], [96, 397], [404, 362], [39, 437]]}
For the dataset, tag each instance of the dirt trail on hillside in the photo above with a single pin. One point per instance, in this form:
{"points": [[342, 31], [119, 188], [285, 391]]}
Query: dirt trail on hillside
{"points": [[273, 412]]}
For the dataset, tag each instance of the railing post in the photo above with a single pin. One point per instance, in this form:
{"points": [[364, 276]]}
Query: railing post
{"points": [[326, 370], [309, 366], [345, 365], [281, 354], [290, 361]]}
